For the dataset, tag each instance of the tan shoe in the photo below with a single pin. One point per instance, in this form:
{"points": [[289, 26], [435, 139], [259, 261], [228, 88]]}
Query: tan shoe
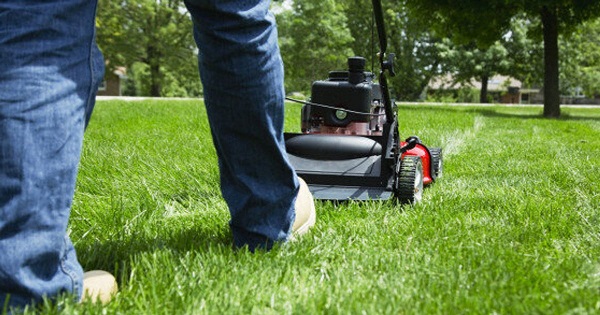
{"points": [[98, 285], [305, 211]]}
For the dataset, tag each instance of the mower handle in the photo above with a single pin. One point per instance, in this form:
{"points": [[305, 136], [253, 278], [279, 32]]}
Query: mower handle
{"points": [[386, 64]]}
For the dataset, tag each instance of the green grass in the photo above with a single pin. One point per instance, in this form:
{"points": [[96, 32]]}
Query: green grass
{"points": [[513, 226]]}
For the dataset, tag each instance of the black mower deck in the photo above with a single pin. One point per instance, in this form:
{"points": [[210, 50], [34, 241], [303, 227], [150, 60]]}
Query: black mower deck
{"points": [[341, 167]]}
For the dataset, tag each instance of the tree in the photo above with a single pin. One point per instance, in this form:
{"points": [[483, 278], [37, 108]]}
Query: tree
{"points": [[466, 62], [486, 22], [317, 36], [417, 56], [314, 40], [525, 51], [515, 55], [361, 24], [157, 36], [580, 65]]}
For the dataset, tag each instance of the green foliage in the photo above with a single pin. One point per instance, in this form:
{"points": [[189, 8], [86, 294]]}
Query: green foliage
{"points": [[314, 40], [431, 37], [466, 21], [570, 13], [138, 82], [526, 51], [485, 22], [304, 42], [514, 55], [580, 65], [155, 33], [417, 57], [417, 54], [361, 25], [469, 61]]}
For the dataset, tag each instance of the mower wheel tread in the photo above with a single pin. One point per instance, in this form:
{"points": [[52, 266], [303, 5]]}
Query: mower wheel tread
{"points": [[436, 162], [409, 180]]}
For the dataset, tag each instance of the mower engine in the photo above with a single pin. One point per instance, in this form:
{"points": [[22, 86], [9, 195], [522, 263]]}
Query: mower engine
{"points": [[347, 103]]}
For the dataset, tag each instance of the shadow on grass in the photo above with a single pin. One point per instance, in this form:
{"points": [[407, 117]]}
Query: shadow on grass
{"points": [[540, 116], [496, 112], [118, 254]]}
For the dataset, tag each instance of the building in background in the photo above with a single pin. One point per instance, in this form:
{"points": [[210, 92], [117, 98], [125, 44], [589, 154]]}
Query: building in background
{"points": [[500, 89], [112, 83]]}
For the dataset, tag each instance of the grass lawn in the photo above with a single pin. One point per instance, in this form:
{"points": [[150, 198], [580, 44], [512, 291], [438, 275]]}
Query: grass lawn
{"points": [[513, 226]]}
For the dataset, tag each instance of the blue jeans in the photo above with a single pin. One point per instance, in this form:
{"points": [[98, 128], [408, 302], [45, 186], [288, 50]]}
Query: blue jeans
{"points": [[242, 75], [49, 72]]}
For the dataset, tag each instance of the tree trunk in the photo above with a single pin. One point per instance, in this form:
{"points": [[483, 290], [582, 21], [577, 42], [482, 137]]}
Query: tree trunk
{"points": [[551, 87], [484, 89], [155, 85], [154, 64]]}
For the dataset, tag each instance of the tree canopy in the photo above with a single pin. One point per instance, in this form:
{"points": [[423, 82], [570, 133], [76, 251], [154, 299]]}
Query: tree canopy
{"points": [[487, 21], [153, 39], [465, 38], [580, 65], [314, 39]]}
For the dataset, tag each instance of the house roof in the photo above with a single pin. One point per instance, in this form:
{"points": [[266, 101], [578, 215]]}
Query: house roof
{"points": [[495, 83], [121, 72]]}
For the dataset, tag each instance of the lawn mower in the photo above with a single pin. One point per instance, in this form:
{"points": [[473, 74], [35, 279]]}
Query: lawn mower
{"points": [[349, 147]]}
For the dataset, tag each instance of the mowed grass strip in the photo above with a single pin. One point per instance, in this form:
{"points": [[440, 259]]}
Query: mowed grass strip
{"points": [[512, 227]]}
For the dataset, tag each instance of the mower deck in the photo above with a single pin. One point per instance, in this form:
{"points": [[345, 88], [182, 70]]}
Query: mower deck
{"points": [[341, 167]]}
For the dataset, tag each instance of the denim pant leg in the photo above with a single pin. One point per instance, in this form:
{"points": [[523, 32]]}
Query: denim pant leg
{"points": [[242, 75], [49, 71]]}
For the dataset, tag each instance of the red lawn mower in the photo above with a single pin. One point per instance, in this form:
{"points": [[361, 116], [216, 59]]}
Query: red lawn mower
{"points": [[350, 148]]}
